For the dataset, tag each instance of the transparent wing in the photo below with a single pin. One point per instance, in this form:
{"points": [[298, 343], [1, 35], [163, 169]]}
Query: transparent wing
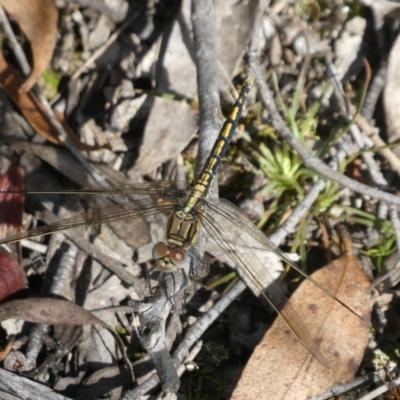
{"points": [[164, 195], [227, 210], [228, 235], [94, 217], [156, 188]]}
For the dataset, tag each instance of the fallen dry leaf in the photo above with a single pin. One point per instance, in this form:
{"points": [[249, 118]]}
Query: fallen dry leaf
{"points": [[32, 109], [12, 279], [355, 171], [12, 276], [55, 312], [4, 352], [38, 20], [281, 368], [48, 311], [11, 204]]}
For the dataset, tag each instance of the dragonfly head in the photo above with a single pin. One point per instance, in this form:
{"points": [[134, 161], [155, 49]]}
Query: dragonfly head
{"points": [[168, 259]]}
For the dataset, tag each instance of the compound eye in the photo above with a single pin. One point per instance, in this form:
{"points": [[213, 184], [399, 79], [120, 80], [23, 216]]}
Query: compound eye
{"points": [[160, 250], [179, 257]]}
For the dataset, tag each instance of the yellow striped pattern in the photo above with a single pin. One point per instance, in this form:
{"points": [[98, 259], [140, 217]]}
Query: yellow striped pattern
{"points": [[202, 186]]}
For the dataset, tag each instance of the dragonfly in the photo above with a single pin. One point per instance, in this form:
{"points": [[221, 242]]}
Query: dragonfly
{"points": [[190, 210]]}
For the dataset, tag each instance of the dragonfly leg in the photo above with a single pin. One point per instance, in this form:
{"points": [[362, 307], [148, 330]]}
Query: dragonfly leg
{"points": [[149, 272], [186, 280], [184, 285], [160, 277]]}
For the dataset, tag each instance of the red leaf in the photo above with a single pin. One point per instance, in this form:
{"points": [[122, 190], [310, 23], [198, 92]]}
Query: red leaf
{"points": [[11, 204], [12, 279]]}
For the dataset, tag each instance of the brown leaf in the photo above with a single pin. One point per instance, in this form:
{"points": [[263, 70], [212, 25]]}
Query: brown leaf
{"points": [[38, 20], [12, 276], [355, 171], [55, 312], [281, 368], [11, 204], [32, 109], [6, 350]]}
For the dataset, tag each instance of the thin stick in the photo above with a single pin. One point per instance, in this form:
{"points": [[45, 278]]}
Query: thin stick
{"points": [[204, 31], [382, 389], [310, 160]]}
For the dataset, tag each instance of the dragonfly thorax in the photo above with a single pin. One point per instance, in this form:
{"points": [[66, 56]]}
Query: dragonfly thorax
{"points": [[183, 228]]}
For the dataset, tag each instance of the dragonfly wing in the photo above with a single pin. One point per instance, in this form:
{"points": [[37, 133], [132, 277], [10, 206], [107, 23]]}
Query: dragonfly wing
{"points": [[97, 217], [226, 209], [166, 189], [228, 236]]}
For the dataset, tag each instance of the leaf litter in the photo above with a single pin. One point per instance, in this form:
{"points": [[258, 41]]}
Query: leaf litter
{"points": [[13, 280], [92, 99], [38, 21], [30, 106], [342, 337], [55, 312]]}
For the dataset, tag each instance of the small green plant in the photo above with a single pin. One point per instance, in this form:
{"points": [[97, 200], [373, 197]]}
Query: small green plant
{"points": [[356, 216], [211, 356], [380, 359], [50, 82], [284, 169], [290, 179], [309, 9], [231, 279], [386, 247]]}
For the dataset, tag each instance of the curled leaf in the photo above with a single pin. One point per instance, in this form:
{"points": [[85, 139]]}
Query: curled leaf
{"points": [[12, 278], [4, 352], [56, 312], [32, 109], [11, 204], [38, 20]]}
